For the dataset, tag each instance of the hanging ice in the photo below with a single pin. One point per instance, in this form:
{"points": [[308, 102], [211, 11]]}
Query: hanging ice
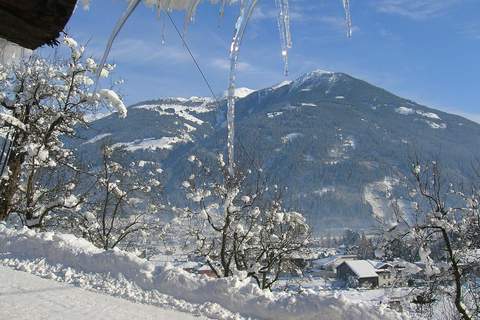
{"points": [[190, 6], [348, 17], [11, 52], [131, 7], [246, 11], [283, 20]]}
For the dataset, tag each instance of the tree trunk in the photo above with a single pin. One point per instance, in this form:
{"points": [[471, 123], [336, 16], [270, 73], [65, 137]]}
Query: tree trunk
{"points": [[457, 277], [9, 187]]}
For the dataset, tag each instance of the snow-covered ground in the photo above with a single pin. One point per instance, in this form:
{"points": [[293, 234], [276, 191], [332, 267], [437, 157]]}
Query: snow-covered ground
{"points": [[25, 296], [75, 261]]}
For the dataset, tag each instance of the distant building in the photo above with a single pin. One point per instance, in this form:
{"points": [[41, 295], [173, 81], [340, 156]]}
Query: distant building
{"points": [[358, 273], [206, 270], [327, 267], [303, 260], [385, 278], [384, 271]]}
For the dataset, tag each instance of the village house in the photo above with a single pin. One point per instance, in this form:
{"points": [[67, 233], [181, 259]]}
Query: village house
{"points": [[358, 273], [384, 272], [376, 273], [327, 267]]}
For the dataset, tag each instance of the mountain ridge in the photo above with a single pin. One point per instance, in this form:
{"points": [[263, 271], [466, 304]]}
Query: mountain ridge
{"points": [[331, 138]]}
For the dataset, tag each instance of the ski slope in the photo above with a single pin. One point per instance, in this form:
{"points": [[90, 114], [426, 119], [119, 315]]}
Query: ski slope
{"points": [[25, 296]]}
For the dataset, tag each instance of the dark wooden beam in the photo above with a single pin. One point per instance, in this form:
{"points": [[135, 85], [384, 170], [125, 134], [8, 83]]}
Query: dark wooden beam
{"points": [[34, 23]]}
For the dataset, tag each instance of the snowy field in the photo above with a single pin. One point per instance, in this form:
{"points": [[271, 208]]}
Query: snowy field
{"points": [[76, 262], [25, 296]]}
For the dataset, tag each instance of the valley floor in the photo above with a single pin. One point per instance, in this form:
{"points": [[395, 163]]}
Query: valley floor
{"points": [[25, 296]]}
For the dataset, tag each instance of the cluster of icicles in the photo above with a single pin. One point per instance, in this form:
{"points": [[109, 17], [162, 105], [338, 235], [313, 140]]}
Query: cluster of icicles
{"points": [[247, 8]]}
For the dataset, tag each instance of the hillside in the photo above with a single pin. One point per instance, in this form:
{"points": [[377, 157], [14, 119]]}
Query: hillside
{"points": [[335, 141]]}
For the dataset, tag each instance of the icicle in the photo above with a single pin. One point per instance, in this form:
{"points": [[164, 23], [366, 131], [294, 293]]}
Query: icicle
{"points": [[191, 11], [164, 32], [246, 11], [131, 7], [348, 17], [222, 7], [283, 20]]}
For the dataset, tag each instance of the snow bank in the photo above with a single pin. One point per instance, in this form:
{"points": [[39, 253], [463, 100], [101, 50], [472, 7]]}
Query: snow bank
{"points": [[246, 298], [240, 296], [79, 254]]}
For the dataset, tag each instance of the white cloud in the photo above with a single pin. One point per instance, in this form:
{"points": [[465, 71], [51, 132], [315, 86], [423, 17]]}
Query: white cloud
{"points": [[138, 51], [471, 30], [415, 9], [336, 22], [224, 64], [264, 13]]}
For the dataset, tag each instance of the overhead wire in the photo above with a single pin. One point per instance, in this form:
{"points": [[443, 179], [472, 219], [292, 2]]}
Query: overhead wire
{"points": [[187, 47]]}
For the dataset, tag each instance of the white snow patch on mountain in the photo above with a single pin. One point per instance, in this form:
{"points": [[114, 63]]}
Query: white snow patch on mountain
{"points": [[435, 125], [309, 104], [430, 115], [189, 127], [339, 151], [282, 84], [193, 99], [405, 111], [314, 75], [323, 191], [177, 109], [240, 92], [166, 143], [378, 195], [97, 138], [274, 114], [409, 111], [291, 136]]}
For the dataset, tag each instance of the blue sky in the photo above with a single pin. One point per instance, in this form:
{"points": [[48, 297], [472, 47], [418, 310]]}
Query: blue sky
{"points": [[425, 50]]}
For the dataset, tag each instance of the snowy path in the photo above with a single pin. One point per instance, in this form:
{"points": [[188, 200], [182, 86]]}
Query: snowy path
{"points": [[25, 296]]}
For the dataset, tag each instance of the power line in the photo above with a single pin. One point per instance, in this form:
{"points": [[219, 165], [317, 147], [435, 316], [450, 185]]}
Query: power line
{"points": [[191, 55]]}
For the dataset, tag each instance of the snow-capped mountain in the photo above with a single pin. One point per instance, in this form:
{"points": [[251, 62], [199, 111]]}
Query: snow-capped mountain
{"points": [[240, 92], [337, 142]]}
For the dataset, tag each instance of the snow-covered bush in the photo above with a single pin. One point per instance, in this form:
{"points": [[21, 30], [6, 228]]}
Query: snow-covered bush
{"points": [[237, 223], [442, 224], [41, 100]]}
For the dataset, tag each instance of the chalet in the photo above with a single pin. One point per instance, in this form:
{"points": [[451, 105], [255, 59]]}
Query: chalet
{"points": [[384, 271], [303, 260], [358, 273], [327, 267]]}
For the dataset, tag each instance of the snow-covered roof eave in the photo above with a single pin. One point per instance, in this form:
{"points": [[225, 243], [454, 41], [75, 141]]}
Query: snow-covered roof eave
{"points": [[361, 268]]}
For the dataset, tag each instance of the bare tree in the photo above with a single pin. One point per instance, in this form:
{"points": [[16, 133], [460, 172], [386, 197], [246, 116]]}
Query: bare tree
{"points": [[442, 228], [120, 205], [40, 103], [238, 223]]}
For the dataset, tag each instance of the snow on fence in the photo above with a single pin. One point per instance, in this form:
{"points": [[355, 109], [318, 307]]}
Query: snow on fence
{"points": [[234, 294]]}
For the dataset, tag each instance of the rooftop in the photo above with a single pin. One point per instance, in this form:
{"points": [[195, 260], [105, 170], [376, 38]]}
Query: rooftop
{"points": [[362, 268]]}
